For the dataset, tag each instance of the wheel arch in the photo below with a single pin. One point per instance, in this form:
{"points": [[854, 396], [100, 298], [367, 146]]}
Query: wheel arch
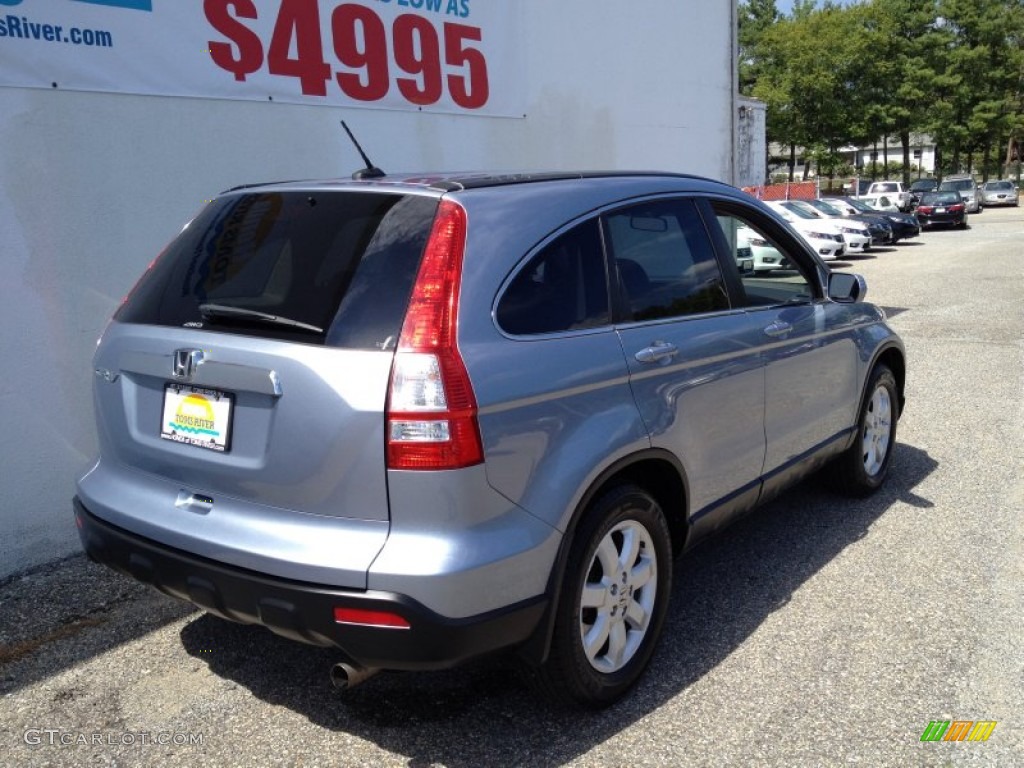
{"points": [[893, 357], [659, 473]]}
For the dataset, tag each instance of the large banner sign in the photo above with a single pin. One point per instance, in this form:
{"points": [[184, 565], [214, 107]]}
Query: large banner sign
{"points": [[456, 56]]}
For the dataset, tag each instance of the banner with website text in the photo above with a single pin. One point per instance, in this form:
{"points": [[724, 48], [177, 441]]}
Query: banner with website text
{"points": [[455, 56]]}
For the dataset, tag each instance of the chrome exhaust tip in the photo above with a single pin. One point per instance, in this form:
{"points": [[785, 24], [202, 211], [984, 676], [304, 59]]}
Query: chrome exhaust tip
{"points": [[345, 676]]}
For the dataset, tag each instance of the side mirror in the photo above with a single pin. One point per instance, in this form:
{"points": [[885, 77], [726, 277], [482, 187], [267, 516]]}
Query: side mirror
{"points": [[846, 287]]}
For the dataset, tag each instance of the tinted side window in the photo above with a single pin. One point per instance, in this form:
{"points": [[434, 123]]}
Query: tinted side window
{"points": [[562, 288], [666, 265], [342, 261]]}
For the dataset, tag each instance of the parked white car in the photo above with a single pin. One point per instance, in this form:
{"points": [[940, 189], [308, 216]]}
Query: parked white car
{"points": [[764, 255], [856, 234], [896, 191], [880, 203], [822, 235]]}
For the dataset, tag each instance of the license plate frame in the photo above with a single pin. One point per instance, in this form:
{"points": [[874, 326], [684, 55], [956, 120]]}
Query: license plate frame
{"points": [[198, 416]]}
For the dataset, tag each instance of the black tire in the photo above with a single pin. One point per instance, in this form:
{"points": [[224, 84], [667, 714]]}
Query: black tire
{"points": [[862, 468], [626, 522]]}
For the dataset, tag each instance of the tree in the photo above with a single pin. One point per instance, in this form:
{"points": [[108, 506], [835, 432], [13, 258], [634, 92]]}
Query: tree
{"points": [[835, 74], [810, 79], [905, 45], [984, 60], [755, 18]]}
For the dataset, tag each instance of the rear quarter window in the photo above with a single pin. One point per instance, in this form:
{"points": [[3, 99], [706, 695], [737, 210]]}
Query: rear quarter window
{"points": [[564, 287], [343, 262]]}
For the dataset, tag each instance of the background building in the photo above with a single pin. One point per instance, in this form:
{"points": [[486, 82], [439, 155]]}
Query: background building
{"points": [[859, 160], [121, 117], [922, 155]]}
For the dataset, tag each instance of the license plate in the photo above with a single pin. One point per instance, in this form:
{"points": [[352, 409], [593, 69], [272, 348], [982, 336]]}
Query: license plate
{"points": [[197, 416], [940, 210]]}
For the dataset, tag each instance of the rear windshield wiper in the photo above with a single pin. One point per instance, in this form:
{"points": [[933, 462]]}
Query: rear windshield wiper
{"points": [[222, 311]]}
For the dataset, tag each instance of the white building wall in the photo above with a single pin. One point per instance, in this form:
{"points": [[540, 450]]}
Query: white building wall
{"points": [[922, 156], [751, 143], [92, 185]]}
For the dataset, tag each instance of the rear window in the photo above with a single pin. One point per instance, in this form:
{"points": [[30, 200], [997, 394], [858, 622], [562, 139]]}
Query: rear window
{"points": [[958, 184], [937, 198], [313, 266]]}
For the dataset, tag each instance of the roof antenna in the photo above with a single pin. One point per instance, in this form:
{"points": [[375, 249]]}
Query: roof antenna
{"points": [[370, 171]]}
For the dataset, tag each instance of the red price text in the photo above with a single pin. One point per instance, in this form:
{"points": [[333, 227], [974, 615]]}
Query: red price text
{"points": [[412, 58]]}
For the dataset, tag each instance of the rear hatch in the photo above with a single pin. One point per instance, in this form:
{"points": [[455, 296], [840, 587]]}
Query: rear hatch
{"points": [[245, 378]]}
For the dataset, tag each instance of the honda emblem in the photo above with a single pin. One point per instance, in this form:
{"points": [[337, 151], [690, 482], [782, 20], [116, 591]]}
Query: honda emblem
{"points": [[185, 363]]}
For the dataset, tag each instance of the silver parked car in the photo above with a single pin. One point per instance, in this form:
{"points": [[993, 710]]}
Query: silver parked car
{"points": [[999, 193], [968, 189], [421, 419]]}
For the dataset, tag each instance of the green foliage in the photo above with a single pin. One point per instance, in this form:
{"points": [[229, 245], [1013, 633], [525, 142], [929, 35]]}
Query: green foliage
{"points": [[836, 75], [984, 64], [755, 18], [809, 75]]}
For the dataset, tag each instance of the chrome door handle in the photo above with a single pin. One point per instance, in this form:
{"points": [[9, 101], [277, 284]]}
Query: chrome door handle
{"points": [[659, 350], [778, 328]]}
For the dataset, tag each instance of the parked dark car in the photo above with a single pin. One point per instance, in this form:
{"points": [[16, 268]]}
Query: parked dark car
{"points": [[878, 228], [917, 188], [862, 186], [945, 207], [903, 225]]}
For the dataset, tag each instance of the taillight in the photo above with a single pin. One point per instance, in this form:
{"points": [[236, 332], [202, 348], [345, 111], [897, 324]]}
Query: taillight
{"points": [[431, 411], [925, 209]]}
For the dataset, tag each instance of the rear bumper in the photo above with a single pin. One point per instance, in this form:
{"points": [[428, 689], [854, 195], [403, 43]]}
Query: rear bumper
{"points": [[305, 612], [951, 221]]}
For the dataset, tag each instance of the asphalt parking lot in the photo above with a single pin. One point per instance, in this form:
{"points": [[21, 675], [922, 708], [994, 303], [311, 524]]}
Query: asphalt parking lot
{"points": [[817, 631]]}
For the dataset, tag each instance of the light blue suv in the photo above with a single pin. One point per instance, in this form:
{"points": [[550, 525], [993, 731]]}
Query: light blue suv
{"points": [[422, 419]]}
